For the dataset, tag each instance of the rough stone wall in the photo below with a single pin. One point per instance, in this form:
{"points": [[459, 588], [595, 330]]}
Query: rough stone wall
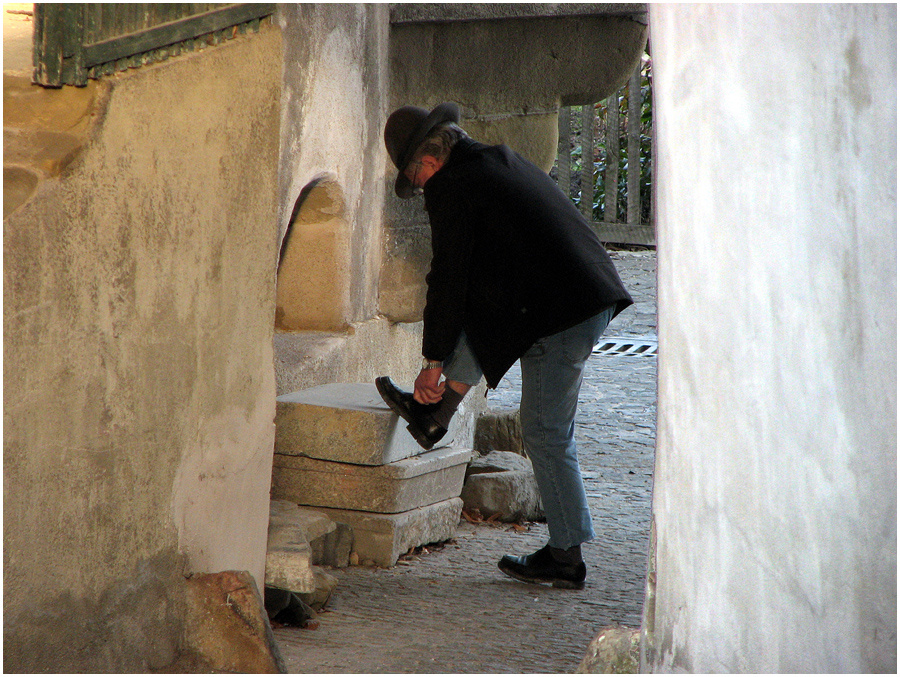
{"points": [[775, 487], [138, 379]]}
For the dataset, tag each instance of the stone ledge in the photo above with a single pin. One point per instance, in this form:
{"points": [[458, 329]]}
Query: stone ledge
{"points": [[392, 488], [381, 539], [442, 12], [343, 422]]}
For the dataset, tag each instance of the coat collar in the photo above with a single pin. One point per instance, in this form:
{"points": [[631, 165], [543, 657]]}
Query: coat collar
{"points": [[462, 148]]}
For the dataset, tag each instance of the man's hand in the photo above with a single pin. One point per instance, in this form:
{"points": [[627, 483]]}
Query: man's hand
{"points": [[428, 388]]}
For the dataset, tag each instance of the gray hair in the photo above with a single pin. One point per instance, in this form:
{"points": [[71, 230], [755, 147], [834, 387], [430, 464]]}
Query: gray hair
{"points": [[439, 142]]}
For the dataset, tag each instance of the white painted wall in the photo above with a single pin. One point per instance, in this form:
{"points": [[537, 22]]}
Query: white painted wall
{"points": [[775, 497]]}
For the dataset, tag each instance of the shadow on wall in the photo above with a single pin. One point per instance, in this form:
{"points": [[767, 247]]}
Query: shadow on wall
{"points": [[313, 288]]}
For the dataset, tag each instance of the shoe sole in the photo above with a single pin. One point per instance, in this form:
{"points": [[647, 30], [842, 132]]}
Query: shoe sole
{"points": [[417, 435], [414, 431], [555, 582]]}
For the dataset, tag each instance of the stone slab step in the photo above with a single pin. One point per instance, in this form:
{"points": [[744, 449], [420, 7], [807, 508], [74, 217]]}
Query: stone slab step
{"points": [[345, 422], [381, 539], [396, 487], [329, 542], [299, 539]]}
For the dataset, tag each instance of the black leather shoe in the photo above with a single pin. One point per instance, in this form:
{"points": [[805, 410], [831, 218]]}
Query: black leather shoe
{"points": [[422, 426], [541, 567]]}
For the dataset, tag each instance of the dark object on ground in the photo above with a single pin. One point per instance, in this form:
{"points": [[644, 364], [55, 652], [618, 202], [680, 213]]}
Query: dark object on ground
{"points": [[286, 607]]}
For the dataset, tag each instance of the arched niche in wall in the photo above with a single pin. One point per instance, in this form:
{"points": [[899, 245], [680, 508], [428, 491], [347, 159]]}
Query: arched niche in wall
{"points": [[314, 263]]}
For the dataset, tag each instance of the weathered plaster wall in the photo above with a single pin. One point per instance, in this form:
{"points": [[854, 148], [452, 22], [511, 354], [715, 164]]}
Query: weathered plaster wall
{"points": [[332, 109], [334, 105], [775, 489], [139, 391]]}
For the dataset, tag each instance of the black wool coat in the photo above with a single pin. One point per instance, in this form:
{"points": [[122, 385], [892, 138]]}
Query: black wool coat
{"points": [[513, 260]]}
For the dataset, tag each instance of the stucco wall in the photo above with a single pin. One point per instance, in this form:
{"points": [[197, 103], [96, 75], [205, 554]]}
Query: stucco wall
{"points": [[775, 489], [139, 390], [332, 111], [334, 105]]}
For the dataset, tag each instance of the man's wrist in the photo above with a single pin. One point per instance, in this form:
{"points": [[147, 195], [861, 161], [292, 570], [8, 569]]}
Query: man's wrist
{"points": [[431, 364]]}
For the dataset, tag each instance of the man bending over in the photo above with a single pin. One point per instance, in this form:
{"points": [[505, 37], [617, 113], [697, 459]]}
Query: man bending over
{"points": [[516, 274]]}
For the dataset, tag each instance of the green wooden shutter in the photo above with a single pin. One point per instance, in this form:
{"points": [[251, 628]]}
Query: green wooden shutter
{"points": [[77, 41]]}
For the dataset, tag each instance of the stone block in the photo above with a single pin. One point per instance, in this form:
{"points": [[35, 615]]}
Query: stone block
{"points": [[407, 256], [289, 566], [396, 487], [383, 538], [299, 539], [498, 461], [325, 584], [227, 627], [344, 422], [333, 549], [329, 542], [499, 429], [309, 524], [615, 650], [502, 483]]}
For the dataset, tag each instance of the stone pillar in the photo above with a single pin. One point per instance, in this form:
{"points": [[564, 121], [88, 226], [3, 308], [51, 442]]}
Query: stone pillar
{"points": [[774, 503]]}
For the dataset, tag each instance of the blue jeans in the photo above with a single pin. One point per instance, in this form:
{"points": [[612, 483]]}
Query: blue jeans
{"points": [[552, 371]]}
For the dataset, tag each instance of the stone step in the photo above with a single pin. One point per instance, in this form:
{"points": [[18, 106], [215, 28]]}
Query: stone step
{"points": [[298, 540], [329, 542], [344, 422], [396, 487], [380, 539]]}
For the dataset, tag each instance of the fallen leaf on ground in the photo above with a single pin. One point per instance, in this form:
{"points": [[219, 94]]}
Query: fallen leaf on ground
{"points": [[472, 516]]}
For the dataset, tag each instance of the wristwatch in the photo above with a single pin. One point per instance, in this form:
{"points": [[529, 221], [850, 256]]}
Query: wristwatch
{"points": [[431, 364]]}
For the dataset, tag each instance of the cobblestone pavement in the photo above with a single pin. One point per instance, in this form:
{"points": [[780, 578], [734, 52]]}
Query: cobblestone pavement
{"points": [[450, 610]]}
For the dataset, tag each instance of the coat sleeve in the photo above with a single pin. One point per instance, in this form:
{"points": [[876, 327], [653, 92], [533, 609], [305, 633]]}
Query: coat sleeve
{"points": [[448, 278]]}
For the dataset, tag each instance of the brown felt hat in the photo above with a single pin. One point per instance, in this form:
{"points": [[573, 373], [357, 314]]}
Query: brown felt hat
{"points": [[408, 127]]}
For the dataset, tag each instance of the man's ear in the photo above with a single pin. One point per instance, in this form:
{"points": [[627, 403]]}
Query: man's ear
{"points": [[431, 162]]}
